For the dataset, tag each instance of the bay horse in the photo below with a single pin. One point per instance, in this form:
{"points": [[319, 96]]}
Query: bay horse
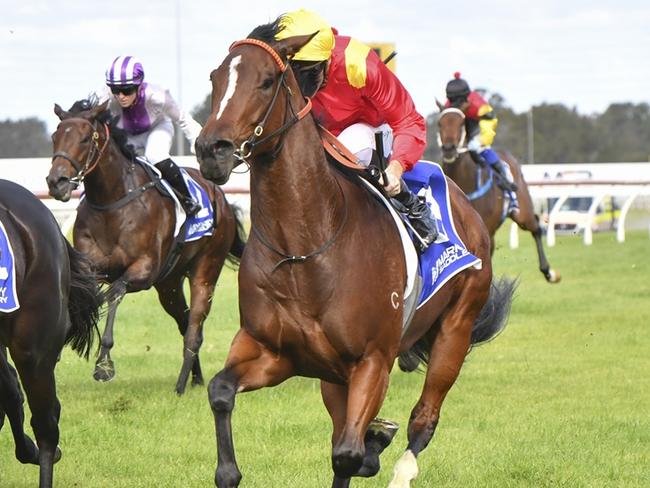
{"points": [[58, 302], [126, 227], [322, 279], [479, 184]]}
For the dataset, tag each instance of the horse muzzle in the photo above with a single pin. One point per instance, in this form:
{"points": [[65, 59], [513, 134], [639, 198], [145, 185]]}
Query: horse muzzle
{"points": [[216, 158], [60, 188]]}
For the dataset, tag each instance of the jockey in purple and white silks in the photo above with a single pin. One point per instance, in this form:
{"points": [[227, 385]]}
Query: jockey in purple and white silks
{"points": [[147, 114]]}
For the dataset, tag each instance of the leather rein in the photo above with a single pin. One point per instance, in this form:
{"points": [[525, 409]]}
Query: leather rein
{"points": [[93, 158], [246, 149]]}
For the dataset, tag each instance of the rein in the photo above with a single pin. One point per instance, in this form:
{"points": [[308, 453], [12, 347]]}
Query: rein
{"points": [[461, 146], [92, 160], [246, 149], [95, 153]]}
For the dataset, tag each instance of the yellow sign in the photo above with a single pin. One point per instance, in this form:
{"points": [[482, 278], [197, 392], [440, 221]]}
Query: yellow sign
{"points": [[384, 50]]}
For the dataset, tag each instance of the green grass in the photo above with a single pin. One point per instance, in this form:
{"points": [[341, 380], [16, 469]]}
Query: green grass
{"points": [[560, 399]]}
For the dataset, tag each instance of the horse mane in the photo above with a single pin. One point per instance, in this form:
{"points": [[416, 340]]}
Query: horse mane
{"points": [[266, 32], [117, 134]]}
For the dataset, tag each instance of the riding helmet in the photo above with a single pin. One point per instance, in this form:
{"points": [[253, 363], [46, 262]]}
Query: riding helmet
{"points": [[125, 71], [302, 23], [457, 88]]}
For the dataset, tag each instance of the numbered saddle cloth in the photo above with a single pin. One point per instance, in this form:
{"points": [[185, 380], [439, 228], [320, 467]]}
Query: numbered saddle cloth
{"points": [[8, 297]]}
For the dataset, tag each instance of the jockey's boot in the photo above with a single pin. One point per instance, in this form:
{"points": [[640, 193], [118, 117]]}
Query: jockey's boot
{"points": [[504, 176], [419, 215], [172, 174]]}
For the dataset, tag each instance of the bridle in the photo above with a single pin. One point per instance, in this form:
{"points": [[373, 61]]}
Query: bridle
{"points": [[93, 156], [246, 148], [461, 146]]}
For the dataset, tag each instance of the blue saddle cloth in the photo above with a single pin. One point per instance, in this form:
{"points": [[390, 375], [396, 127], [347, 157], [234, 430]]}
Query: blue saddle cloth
{"points": [[200, 224], [441, 261], [8, 297]]}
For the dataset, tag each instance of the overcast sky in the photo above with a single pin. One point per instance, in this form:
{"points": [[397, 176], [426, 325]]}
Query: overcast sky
{"points": [[583, 54]]}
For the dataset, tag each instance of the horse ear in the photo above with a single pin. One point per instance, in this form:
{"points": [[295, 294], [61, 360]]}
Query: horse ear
{"points": [[98, 109], [441, 107], [291, 45], [60, 113]]}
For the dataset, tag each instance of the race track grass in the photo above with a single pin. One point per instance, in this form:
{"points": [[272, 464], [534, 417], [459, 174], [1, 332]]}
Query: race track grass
{"points": [[559, 399]]}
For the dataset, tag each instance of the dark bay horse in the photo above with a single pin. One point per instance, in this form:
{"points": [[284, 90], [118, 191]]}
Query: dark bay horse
{"points": [[126, 227], [488, 198], [322, 279], [58, 303]]}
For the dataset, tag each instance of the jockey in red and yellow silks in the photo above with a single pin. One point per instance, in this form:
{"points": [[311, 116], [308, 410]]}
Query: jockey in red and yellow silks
{"points": [[361, 88], [354, 95], [480, 124]]}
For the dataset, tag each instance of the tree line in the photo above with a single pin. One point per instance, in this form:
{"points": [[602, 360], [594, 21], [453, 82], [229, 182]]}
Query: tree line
{"points": [[559, 134]]}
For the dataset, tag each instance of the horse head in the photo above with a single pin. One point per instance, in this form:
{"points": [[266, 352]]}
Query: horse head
{"points": [[78, 145], [253, 99], [451, 134]]}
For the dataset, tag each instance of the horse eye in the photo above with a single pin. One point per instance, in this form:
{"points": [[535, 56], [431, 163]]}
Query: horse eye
{"points": [[85, 140], [268, 83]]}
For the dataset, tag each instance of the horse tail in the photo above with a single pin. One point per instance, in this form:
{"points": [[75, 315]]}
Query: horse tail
{"points": [[238, 244], [494, 315], [490, 322], [84, 303]]}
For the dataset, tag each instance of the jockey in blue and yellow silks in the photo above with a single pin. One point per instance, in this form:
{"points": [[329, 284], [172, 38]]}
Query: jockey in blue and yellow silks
{"points": [[481, 124], [355, 95]]}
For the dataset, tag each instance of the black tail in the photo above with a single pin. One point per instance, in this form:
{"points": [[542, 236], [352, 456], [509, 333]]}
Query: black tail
{"points": [[84, 303], [490, 322], [237, 248]]}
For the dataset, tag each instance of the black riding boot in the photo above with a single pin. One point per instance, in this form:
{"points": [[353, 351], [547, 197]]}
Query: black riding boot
{"points": [[502, 180], [419, 215], [172, 174]]}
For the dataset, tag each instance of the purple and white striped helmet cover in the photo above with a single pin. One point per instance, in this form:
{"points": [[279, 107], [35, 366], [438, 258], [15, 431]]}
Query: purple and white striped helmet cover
{"points": [[125, 70]]}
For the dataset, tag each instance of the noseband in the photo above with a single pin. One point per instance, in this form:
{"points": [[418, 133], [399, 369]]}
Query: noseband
{"points": [[92, 158], [246, 148], [461, 146]]}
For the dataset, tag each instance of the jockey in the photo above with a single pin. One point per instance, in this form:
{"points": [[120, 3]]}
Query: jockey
{"points": [[355, 95], [480, 124], [147, 113]]}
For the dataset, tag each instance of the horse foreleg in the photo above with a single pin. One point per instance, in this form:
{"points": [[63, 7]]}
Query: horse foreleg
{"points": [[378, 436], [366, 390], [249, 366], [446, 358], [11, 402], [104, 367]]}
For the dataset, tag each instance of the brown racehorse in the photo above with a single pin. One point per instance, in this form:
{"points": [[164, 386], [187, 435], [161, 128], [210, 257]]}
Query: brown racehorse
{"points": [[488, 199], [126, 228], [323, 275], [58, 303]]}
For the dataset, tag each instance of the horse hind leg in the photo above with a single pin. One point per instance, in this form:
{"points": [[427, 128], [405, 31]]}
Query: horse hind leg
{"points": [[447, 354], [11, 404]]}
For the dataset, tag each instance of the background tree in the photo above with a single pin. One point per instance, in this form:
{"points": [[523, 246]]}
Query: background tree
{"points": [[25, 138]]}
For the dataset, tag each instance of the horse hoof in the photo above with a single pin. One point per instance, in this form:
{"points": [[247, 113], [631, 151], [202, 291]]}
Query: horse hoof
{"points": [[30, 455], [405, 471], [553, 276], [57, 454], [104, 370], [382, 431], [197, 381]]}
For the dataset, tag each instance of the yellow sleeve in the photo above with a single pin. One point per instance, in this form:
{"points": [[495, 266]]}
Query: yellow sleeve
{"points": [[488, 129]]}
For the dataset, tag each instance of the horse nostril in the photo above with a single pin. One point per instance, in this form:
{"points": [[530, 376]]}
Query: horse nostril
{"points": [[448, 147]]}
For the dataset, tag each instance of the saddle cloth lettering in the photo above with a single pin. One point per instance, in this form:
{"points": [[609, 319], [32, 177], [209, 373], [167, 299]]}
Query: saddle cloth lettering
{"points": [[442, 260]]}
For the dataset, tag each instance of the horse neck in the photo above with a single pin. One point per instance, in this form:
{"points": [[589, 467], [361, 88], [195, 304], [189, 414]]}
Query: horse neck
{"points": [[108, 182], [297, 190]]}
